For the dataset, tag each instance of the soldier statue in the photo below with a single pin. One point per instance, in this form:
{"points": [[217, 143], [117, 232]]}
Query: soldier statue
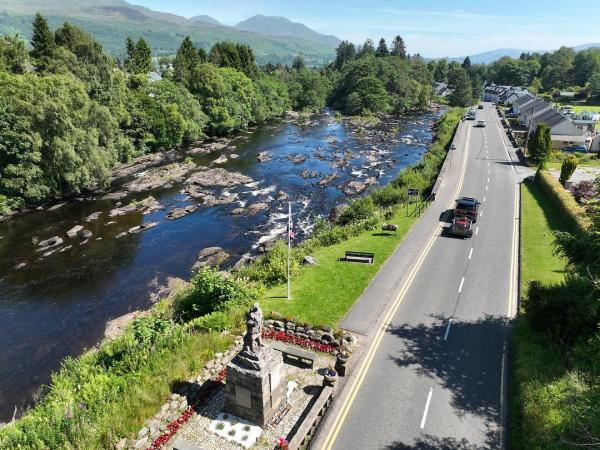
{"points": [[253, 338]]}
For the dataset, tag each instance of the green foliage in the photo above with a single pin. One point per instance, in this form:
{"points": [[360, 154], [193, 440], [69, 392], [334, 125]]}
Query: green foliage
{"points": [[568, 167], [308, 89], [13, 55], [147, 330], [139, 56], [271, 268], [211, 291], [382, 49], [563, 201], [398, 47], [42, 41], [186, 59], [540, 145], [387, 196], [236, 56], [463, 90], [360, 209]]}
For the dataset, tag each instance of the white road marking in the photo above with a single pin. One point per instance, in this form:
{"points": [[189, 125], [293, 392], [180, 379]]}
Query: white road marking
{"points": [[488, 180], [471, 253], [461, 285], [486, 187], [476, 231], [488, 164], [426, 408], [481, 213], [448, 329], [484, 199]]}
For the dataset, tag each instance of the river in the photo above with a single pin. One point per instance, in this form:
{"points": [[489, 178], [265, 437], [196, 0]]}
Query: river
{"points": [[57, 305]]}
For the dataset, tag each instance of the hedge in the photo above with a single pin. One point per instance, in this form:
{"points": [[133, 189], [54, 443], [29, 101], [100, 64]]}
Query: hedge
{"points": [[564, 202]]}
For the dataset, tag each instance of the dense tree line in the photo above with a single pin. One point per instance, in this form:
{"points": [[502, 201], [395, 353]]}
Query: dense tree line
{"points": [[559, 70], [69, 111]]}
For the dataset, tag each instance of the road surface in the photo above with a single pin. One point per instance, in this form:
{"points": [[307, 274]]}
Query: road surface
{"points": [[434, 375]]}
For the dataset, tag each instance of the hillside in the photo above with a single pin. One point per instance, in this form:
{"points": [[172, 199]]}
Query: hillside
{"points": [[494, 55], [280, 26], [111, 21], [205, 19]]}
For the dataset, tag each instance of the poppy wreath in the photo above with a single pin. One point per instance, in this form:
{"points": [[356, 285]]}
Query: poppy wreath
{"points": [[205, 391], [297, 340]]}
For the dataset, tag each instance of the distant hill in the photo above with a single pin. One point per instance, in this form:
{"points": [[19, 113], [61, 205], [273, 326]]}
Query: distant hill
{"points": [[111, 21], [205, 19], [280, 26], [494, 55]]}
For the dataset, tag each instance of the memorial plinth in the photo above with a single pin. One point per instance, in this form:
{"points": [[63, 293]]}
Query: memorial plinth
{"points": [[255, 377]]}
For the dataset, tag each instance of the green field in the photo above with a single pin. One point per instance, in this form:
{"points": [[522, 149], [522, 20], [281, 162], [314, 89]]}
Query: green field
{"points": [[323, 293]]}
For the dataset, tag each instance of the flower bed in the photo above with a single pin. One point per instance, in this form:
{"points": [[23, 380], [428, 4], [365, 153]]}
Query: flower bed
{"points": [[205, 391], [297, 340]]}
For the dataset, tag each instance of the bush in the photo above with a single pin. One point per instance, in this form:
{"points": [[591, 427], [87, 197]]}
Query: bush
{"points": [[388, 196], [566, 205], [210, 291], [360, 209], [271, 268]]}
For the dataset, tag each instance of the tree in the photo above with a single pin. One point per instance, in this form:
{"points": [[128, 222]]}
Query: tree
{"points": [[567, 168], [463, 91], [466, 64], [345, 53], [186, 59], [398, 47], [594, 85], [368, 97], [298, 62], [13, 55], [440, 73], [540, 144], [42, 41], [367, 49], [382, 49], [139, 56]]}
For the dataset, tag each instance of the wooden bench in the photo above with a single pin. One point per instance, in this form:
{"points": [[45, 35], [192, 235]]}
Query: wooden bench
{"points": [[389, 227], [297, 353], [361, 257]]}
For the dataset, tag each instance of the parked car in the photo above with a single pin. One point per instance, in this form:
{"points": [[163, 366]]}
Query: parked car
{"points": [[481, 123], [576, 148], [467, 207], [471, 114], [480, 106]]}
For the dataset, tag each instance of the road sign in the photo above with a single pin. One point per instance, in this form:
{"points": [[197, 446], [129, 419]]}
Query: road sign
{"points": [[412, 191]]}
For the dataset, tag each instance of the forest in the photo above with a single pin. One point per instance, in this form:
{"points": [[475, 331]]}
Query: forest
{"points": [[69, 111]]}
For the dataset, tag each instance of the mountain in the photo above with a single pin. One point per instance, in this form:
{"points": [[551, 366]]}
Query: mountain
{"points": [[494, 55], [205, 19], [280, 26], [111, 21]]}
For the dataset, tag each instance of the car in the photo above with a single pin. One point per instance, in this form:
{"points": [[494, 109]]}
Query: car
{"points": [[467, 207], [576, 148], [461, 226], [471, 114], [480, 106], [481, 123]]}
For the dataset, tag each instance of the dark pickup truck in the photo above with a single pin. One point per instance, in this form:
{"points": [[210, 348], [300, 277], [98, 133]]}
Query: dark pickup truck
{"points": [[467, 207]]}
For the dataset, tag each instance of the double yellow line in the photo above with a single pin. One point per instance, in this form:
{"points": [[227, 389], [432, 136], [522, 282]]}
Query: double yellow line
{"points": [[339, 421]]}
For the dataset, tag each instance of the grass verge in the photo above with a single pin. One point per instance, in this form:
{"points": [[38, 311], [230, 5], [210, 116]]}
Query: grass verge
{"points": [[542, 390], [323, 293]]}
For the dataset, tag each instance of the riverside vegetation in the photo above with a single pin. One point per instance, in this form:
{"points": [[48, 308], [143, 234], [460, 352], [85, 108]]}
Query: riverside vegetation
{"points": [[555, 387], [104, 395], [69, 112]]}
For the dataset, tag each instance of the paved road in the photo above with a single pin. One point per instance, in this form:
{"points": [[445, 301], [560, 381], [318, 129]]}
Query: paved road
{"points": [[436, 378]]}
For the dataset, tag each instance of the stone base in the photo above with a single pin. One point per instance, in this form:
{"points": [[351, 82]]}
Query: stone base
{"points": [[255, 385]]}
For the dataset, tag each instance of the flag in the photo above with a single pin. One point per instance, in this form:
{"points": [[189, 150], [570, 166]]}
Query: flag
{"points": [[291, 234]]}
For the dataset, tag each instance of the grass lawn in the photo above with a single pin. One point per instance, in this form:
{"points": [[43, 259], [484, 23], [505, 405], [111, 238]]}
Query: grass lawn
{"points": [[539, 221], [585, 160], [322, 294]]}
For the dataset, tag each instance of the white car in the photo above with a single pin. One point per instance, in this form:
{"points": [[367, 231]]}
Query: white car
{"points": [[481, 123]]}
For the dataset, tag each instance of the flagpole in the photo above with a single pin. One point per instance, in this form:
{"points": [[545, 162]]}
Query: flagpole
{"points": [[289, 248]]}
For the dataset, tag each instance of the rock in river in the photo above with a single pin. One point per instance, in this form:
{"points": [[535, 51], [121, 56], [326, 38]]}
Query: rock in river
{"points": [[146, 206], [54, 241], [210, 257], [160, 176], [264, 156], [178, 213], [73, 231], [143, 227], [217, 177]]}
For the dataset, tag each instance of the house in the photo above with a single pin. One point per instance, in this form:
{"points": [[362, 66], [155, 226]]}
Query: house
{"points": [[564, 132], [494, 93], [522, 102], [565, 94], [532, 109], [513, 95], [441, 89]]}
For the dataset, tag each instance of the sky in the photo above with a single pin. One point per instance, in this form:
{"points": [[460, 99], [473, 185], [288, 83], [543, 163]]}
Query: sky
{"points": [[429, 27]]}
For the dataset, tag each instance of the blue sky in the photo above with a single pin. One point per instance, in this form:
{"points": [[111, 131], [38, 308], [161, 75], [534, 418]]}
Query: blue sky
{"points": [[432, 28]]}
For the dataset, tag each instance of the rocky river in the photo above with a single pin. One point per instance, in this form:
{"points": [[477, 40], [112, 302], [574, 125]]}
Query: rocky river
{"points": [[68, 268]]}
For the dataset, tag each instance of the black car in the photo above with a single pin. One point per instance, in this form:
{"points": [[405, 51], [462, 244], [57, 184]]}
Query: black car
{"points": [[467, 207]]}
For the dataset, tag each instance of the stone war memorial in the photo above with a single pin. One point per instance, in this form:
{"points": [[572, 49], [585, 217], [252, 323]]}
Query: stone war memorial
{"points": [[255, 377]]}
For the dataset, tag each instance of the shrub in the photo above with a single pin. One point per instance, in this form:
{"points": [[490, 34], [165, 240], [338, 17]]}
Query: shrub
{"points": [[272, 267], [388, 196], [563, 201], [146, 330], [210, 291], [360, 209], [218, 321], [567, 168], [584, 190]]}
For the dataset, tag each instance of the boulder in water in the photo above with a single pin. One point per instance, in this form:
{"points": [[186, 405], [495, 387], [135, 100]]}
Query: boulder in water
{"points": [[210, 257]]}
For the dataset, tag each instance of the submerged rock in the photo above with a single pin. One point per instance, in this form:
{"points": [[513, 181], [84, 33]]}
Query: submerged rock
{"points": [[264, 156], [220, 160], [146, 206], [143, 227], [178, 213], [93, 216], [160, 176], [210, 257], [54, 241], [257, 207], [73, 231], [217, 177], [297, 159], [328, 179]]}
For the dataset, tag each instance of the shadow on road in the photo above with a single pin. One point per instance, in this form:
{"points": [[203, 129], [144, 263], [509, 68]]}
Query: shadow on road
{"points": [[468, 363], [428, 442]]}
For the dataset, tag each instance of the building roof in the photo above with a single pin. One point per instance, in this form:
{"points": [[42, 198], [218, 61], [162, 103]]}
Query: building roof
{"points": [[533, 106], [550, 116], [523, 99]]}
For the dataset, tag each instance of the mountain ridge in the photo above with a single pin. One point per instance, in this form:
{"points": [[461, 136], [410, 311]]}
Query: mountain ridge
{"points": [[495, 54]]}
